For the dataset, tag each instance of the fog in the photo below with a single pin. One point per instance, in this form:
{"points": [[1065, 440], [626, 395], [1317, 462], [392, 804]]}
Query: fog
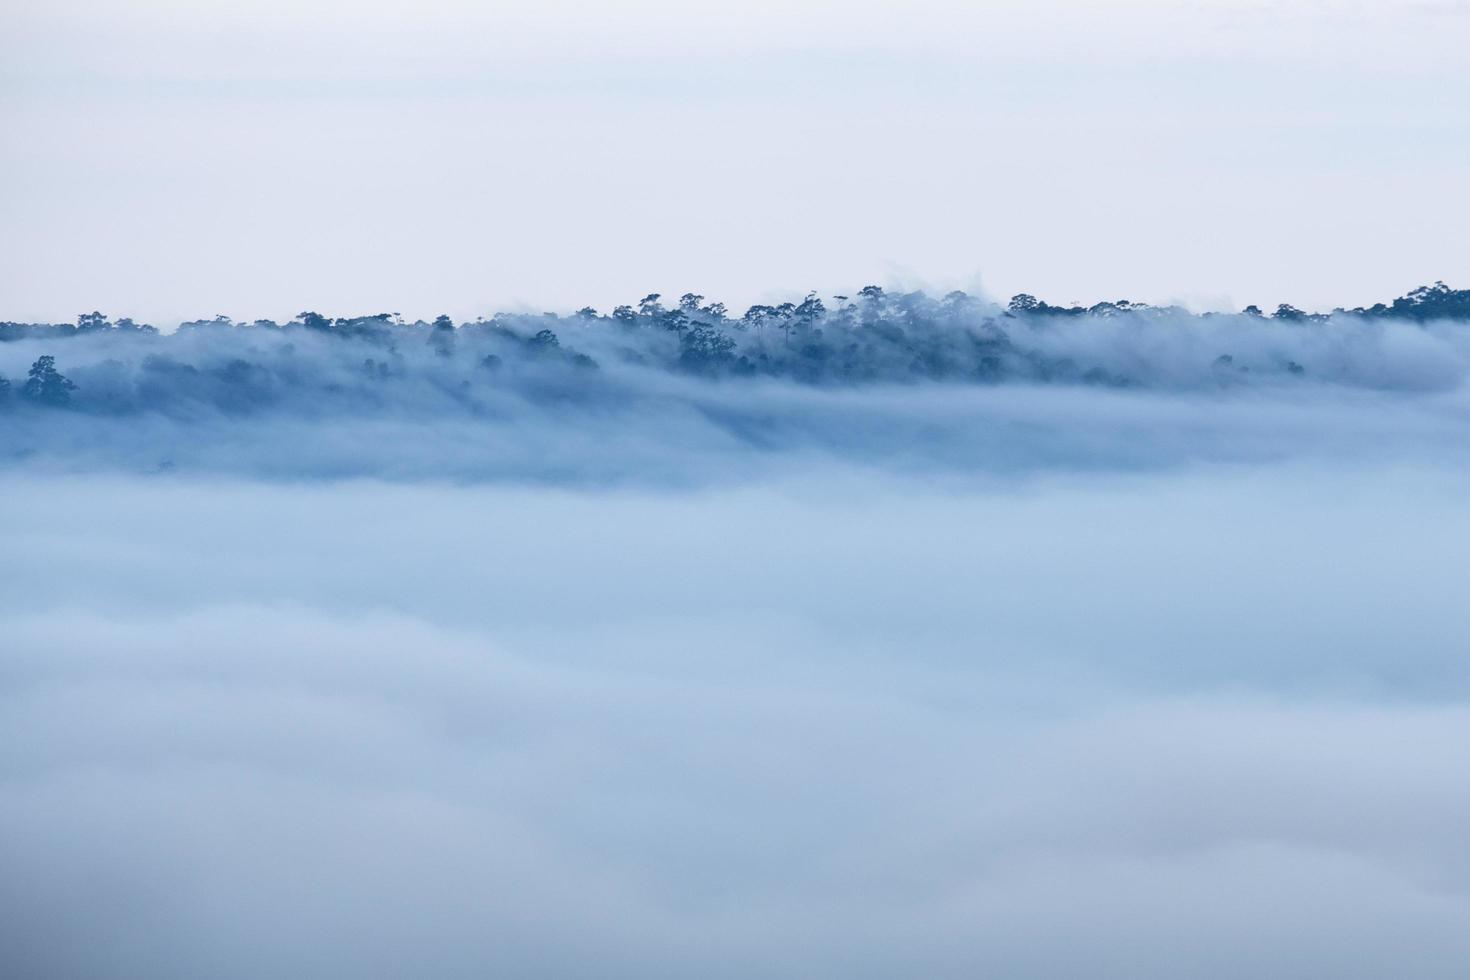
{"points": [[889, 629], [1205, 720], [902, 637]]}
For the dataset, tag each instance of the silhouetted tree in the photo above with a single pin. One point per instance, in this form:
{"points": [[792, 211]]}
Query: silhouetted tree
{"points": [[705, 350], [45, 385], [757, 316], [442, 336], [675, 320], [810, 310], [543, 340], [1437, 302]]}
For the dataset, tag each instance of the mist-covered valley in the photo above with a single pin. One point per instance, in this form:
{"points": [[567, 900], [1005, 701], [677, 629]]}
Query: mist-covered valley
{"points": [[1020, 641]]}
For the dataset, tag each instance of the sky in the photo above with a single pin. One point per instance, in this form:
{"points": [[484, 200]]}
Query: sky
{"points": [[171, 160]]}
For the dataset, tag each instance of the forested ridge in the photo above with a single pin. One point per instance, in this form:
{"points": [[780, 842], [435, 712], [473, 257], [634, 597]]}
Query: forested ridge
{"points": [[320, 362]]}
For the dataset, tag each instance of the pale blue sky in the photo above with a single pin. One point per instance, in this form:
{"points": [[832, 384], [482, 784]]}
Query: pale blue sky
{"points": [[172, 160]]}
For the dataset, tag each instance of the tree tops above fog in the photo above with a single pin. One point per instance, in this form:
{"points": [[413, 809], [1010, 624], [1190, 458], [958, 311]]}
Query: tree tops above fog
{"points": [[1436, 302], [871, 336]]}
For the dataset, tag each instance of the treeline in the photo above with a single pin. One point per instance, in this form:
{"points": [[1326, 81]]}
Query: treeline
{"points": [[874, 336], [1436, 302]]}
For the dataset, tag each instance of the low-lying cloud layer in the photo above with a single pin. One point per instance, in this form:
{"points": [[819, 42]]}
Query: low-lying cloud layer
{"points": [[1116, 643], [1204, 724]]}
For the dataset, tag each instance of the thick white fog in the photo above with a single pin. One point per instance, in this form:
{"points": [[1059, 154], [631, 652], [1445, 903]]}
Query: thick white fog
{"points": [[818, 720], [905, 636], [1041, 554]]}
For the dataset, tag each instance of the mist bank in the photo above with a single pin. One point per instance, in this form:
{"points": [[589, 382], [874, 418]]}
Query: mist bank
{"points": [[688, 392], [1146, 726]]}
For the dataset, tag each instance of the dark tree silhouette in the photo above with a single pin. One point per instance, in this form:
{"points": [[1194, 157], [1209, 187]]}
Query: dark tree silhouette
{"points": [[442, 337], [705, 350], [45, 385], [1431, 302], [543, 340], [810, 310], [675, 320]]}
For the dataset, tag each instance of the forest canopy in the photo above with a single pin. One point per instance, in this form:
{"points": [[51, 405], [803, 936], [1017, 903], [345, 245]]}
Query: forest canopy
{"points": [[354, 363]]}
